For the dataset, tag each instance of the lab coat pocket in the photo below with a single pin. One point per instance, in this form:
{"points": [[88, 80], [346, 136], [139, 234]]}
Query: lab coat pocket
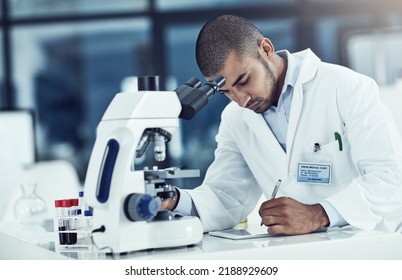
{"points": [[330, 163]]}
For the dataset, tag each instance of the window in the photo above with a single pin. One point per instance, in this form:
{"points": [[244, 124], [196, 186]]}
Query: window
{"points": [[211, 4], [73, 72], [31, 8]]}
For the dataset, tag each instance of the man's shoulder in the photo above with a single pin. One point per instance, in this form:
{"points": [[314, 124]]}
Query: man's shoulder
{"points": [[339, 72], [232, 111], [232, 108]]}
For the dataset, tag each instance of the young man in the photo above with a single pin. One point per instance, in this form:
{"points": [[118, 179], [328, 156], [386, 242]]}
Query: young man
{"points": [[318, 129]]}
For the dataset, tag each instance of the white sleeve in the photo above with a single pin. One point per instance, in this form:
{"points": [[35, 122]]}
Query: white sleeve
{"points": [[335, 218], [229, 191], [185, 205]]}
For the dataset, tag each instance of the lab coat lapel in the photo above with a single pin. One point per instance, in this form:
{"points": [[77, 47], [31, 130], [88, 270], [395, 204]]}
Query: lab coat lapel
{"points": [[265, 137], [308, 70], [297, 101]]}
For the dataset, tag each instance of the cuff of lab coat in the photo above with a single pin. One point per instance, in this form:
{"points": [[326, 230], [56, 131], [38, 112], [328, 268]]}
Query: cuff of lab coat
{"points": [[185, 205], [335, 219]]}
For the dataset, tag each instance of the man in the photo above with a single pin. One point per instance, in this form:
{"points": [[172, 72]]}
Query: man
{"points": [[319, 129]]}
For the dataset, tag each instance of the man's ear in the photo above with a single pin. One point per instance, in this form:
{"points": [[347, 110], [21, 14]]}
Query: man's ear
{"points": [[266, 48]]}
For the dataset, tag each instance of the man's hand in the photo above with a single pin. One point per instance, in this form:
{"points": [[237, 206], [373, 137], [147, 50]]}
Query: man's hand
{"points": [[170, 203], [287, 216]]}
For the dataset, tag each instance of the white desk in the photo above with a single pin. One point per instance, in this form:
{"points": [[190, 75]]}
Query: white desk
{"points": [[336, 244]]}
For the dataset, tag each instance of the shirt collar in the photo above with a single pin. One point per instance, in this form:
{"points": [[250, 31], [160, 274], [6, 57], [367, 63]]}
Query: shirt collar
{"points": [[292, 69]]}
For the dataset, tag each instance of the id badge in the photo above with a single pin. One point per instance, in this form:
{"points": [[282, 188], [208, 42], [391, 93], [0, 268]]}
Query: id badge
{"points": [[319, 173]]}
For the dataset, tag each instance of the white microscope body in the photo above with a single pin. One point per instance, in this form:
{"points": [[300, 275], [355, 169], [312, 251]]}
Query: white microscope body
{"points": [[126, 201]]}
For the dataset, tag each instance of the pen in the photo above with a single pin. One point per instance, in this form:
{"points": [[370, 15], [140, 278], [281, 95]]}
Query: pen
{"points": [[276, 188], [339, 139], [274, 192]]}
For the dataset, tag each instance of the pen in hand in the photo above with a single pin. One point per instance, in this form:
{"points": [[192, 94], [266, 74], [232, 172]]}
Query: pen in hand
{"points": [[275, 191], [276, 188]]}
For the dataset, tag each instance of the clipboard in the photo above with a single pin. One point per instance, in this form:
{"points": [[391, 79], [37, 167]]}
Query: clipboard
{"points": [[241, 234]]}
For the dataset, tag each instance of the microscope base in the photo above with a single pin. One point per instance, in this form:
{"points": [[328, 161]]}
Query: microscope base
{"points": [[136, 236]]}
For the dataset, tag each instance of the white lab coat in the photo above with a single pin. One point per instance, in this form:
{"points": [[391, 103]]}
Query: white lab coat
{"points": [[366, 185]]}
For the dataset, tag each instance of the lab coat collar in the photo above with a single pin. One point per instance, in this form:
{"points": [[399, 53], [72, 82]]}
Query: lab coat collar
{"points": [[309, 65]]}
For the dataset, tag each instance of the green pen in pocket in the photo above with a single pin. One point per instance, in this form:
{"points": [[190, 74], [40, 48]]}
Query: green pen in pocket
{"points": [[339, 139]]}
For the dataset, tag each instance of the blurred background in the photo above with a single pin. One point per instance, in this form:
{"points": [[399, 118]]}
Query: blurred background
{"points": [[64, 60]]}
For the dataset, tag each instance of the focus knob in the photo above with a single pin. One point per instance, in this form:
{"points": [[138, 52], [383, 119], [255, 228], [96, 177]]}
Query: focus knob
{"points": [[141, 207]]}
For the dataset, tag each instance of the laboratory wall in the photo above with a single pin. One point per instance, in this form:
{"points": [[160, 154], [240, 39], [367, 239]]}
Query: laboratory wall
{"points": [[66, 59]]}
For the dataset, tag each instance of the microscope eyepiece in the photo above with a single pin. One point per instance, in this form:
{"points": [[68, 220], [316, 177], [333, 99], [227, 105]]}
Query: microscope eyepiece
{"points": [[150, 83], [194, 83], [193, 97], [212, 86]]}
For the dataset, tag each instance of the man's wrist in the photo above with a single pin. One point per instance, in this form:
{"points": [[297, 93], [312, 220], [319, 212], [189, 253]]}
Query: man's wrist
{"points": [[322, 217]]}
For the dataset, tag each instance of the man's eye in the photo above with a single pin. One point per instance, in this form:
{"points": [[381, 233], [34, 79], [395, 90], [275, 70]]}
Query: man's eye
{"points": [[243, 82]]}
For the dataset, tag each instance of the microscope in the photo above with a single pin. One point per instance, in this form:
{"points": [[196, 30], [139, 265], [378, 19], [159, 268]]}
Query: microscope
{"points": [[125, 201]]}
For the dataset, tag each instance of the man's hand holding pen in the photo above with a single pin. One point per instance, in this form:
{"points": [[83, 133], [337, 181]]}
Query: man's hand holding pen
{"points": [[287, 216]]}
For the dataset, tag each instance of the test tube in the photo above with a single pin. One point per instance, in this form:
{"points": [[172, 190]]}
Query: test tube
{"points": [[81, 202], [66, 208], [60, 221], [88, 227], [73, 221]]}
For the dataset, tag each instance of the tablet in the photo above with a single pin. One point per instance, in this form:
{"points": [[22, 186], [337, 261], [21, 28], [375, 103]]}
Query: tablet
{"points": [[239, 234]]}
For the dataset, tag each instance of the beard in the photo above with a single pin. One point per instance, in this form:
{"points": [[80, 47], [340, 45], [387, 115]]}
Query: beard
{"points": [[269, 89]]}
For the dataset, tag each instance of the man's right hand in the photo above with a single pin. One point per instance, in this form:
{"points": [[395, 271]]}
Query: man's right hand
{"points": [[288, 216]]}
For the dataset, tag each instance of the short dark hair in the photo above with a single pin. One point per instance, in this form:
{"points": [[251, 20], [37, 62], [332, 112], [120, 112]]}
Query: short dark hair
{"points": [[222, 35]]}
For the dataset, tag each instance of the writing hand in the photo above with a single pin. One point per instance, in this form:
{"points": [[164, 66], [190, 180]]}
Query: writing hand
{"points": [[288, 216]]}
